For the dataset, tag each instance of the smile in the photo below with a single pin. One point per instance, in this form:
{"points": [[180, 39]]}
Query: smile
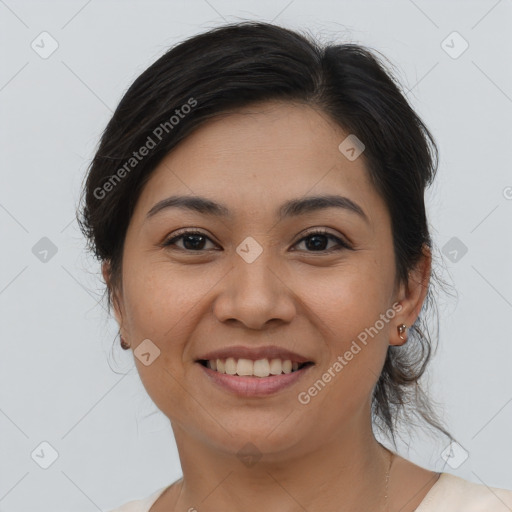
{"points": [[247, 368], [258, 378]]}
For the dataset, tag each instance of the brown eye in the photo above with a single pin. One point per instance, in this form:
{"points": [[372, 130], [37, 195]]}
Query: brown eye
{"points": [[317, 241], [192, 241]]}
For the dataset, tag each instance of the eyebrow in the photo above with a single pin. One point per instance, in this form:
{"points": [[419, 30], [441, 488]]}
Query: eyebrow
{"points": [[291, 208]]}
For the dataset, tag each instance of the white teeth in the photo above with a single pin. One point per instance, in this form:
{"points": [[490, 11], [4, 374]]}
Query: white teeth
{"points": [[212, 364], [230, 366], [261, 368], [276, 367], [247, 367], [244, 367]]}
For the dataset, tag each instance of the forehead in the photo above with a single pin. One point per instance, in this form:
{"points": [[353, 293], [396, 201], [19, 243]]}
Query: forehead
{"points": [[260, 156]]}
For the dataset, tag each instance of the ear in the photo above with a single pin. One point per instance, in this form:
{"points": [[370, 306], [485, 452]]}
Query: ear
{"points": [[106, 271], [411, 296]]}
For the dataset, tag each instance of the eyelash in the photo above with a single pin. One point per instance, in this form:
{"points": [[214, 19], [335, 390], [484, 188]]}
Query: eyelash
{"points": [[341, 243]]}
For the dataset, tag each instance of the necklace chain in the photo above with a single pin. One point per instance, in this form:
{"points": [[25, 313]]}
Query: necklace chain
{"points": [[386, 496], [391, 458]]}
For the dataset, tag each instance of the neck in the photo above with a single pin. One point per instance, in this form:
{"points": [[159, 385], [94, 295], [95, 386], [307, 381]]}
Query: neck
{"points": [[347, 472]]}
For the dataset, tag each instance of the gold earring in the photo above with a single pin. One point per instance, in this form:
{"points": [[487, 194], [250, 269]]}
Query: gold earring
{"points": [[124, 345], [401, 329]]}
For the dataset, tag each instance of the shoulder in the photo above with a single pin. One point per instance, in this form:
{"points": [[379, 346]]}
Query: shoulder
{"points": [[142, 505], [451, 492]]}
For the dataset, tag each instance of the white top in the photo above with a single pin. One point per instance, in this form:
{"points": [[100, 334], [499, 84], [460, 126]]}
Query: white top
{"points": [[449, 494]]}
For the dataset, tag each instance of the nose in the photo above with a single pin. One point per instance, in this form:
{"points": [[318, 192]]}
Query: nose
{"points": [[255, 294]]}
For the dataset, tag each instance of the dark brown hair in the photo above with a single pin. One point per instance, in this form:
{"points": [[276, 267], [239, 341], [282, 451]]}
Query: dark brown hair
{"points": [[238, 64]]}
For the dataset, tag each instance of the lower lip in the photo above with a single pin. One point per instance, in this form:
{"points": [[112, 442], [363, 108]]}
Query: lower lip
{"points": [[254, 386]]}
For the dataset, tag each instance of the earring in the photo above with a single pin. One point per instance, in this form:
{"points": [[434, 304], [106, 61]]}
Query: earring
{"points": [[401, 329], [124, 345]]}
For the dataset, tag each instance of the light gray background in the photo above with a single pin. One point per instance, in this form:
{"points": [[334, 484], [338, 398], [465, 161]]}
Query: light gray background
{"points": [[60, 381]]}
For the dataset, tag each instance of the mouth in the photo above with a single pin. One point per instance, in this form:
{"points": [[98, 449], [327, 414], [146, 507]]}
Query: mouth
{"points": [[260, 368], [256, 379], [253, 372]]}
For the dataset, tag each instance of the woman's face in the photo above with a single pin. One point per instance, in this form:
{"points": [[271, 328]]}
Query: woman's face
{"points": [[257, 276]]}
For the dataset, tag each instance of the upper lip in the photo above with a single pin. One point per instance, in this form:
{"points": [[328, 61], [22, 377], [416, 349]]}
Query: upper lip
{"points": [[255, 353]]}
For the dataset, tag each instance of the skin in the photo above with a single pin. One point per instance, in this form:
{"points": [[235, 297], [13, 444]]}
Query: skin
{"points": [[312, 301]]}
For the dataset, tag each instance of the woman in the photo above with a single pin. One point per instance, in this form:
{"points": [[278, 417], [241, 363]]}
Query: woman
{"points": [[257, 203]]}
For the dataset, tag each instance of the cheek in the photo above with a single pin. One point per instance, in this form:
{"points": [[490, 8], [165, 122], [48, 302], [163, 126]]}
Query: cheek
{"points": [[160, 303], [163, 307], [347, 307], [348, 300]]}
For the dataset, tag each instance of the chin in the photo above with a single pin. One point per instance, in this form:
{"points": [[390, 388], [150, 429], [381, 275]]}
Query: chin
{"points": [[271, 439]]}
